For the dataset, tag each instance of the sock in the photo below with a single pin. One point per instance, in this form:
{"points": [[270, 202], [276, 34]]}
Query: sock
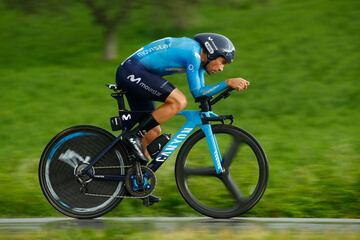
{"points": [[144, 126]]}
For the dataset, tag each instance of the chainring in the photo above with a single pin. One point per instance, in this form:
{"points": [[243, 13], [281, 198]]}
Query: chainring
{"points": [[134, 188]]}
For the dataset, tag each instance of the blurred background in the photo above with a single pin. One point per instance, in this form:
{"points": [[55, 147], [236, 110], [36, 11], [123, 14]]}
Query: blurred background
{"points": [[301, 57]]}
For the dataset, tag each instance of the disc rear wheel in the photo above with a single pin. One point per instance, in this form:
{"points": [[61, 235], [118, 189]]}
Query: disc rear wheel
{"points": [[75, 194]]}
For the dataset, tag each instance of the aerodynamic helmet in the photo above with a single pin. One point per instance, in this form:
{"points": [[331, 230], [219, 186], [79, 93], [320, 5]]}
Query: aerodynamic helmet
{"points": [[216, 45]]}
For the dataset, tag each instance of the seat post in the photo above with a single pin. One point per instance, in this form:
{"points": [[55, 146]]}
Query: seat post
{"points": [[119, 96]]}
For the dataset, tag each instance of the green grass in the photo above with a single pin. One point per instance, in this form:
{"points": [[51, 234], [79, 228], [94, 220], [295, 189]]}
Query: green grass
{"points": [[302, 59]]}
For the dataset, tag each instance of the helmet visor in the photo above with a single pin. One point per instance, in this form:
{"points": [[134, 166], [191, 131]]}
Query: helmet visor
{"points": [[229, 56]]}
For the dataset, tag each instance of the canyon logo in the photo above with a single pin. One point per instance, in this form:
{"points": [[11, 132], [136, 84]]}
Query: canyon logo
{"points": [[173, 144]]}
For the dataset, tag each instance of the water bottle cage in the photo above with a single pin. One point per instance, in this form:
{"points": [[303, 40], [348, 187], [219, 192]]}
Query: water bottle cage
{"points": [[155, 146]]}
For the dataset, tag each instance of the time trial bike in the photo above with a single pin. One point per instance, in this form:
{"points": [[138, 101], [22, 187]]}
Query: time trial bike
{"points": [[221, 170]]}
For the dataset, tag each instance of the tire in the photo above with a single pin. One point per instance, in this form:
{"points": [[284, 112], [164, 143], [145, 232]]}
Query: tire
{"points": [[63, 154], [225, 195]]}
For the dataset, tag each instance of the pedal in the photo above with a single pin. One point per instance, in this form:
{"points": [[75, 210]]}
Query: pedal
{"points": [[146, 202], [150, 200]]}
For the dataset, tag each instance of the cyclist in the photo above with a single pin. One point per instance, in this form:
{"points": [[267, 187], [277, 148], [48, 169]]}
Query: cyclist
{"points": [[141, 76]]}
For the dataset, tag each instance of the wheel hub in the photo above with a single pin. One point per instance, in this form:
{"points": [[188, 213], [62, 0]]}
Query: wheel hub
{"points": [[81, 176]]}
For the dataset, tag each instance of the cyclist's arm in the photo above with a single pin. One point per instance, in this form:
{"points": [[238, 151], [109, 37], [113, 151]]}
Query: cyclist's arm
{"points": [[197, 83]]}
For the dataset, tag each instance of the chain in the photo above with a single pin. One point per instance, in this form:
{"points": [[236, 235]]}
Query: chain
{"points": [[107, 196], [105, 167]]}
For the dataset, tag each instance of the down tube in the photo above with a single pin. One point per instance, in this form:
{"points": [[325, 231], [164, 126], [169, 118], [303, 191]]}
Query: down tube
{"points": [[193, 120]]}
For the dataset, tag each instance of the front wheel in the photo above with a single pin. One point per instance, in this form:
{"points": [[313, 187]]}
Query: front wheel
{"points": [[231, 193], [64, 157]]}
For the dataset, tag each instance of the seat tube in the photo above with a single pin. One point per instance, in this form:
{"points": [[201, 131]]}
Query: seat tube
{"points": [[213, 147]]}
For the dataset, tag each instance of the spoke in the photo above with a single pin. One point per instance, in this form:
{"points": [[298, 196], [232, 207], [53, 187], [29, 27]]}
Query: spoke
{"points": [[209, 171], [233, 188], [230, 154]]}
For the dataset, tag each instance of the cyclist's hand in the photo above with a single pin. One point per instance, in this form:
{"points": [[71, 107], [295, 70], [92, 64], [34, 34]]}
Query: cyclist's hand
{"points": [[238, 83]]}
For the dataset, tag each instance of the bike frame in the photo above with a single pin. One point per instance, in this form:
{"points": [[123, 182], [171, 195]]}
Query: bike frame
{"points": [[194, 119]]}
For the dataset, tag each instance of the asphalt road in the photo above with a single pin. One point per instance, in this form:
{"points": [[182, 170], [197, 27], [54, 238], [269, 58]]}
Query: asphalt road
{"points": [[179, 223]]}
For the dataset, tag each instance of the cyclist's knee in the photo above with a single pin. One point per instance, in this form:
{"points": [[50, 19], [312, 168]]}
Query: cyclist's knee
{"points": [[177, 99], [182, 103]]}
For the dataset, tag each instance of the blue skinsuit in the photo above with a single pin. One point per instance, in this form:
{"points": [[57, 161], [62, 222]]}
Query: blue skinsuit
{"points": [[177, 55]]}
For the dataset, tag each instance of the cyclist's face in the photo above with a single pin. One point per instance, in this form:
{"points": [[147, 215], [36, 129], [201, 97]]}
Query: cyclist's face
{"points": [[216, 65]]}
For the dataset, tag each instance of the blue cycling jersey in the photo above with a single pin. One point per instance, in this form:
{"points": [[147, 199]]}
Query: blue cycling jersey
{"points": [[177, 55]]}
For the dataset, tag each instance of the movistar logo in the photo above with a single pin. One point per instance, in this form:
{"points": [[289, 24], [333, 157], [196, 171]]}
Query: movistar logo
{"points": [[126, 117], [210, 90], [133, 79], [143, 52], [143, 85]]}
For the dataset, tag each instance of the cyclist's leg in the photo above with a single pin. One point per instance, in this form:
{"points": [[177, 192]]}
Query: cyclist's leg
{"points": [[174, 103], [137, 104], [149, 137], [143, 86]]}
